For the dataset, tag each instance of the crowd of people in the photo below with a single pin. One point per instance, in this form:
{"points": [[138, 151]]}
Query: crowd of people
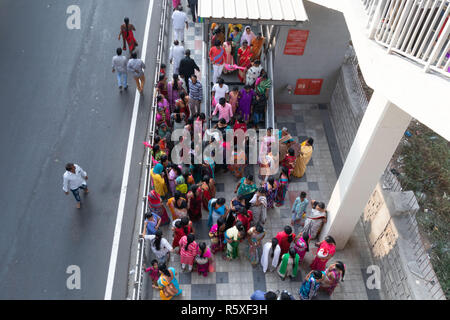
{"points": [[188, 192]]}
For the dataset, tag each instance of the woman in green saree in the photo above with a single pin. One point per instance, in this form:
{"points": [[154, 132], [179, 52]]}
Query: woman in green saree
{"points": [[264, 85], [246, 188], [289, 264], [233, 237]]}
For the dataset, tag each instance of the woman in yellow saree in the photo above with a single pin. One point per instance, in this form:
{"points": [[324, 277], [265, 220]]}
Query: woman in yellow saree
{"points": [[303, 158], [158, 180]]}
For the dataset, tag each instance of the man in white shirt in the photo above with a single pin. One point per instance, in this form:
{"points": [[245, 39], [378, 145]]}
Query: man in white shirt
{"points": [[74, 179], [176, 55], [119, 65], [179, 20], [136, 67], [220, 90]]}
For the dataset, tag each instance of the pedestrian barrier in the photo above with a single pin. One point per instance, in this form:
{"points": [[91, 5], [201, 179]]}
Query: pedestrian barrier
{"points": [[139, 270]]}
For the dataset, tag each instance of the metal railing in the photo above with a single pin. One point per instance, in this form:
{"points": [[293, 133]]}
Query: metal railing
{"points": [[416, 29], [392, 182], [139, 270]]}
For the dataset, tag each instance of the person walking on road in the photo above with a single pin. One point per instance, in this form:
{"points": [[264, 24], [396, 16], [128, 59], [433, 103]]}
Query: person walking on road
{"points": [[136, 66], [74, 179], [179, 20], [187, 68], [126, 32], [195, 94], [119, 65], [176, 55], [217, 55]]}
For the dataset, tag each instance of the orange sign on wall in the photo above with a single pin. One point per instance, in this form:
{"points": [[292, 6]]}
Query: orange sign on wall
{"points": [[308, 86], [296, 42]]}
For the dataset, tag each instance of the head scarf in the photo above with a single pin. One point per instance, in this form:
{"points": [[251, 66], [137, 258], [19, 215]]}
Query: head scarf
{"points": [[158, 169]]}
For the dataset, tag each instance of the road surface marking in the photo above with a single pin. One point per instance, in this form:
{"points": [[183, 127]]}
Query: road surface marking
{"points": [[126, 172]]}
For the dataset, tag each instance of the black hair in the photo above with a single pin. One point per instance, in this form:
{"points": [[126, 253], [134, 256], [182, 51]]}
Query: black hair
{"points": [[250, 177], [330, 239], [285, 295], [271, 181], [156, 148], [175, 81], [310, 141], [317, 274], [163, 268], [134, 55], [220, 81], [157, 239], [217, 43], [187, 52], [292, 252], [163, 66], [262, 190], [265, 76], [303, 194], [259, 228], [288, 231], [247, 86], [220, 222], [127, 21], [177, 195], [183, 95], [274, 245], [291, 152], [193, 76], [235, 89], [221, 201], [341, 266], [148, 215], [119, 51], [190, 239], [161, 77], [176, 42], [270, 295], [206, 179], [321, 205], [69, 166], [202, 247], [305, 237], [284, 171], [222, 101], [153, 262], [164, 158]]}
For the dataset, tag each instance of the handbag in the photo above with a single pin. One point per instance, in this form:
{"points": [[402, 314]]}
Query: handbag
{"points": [[170, 290]]}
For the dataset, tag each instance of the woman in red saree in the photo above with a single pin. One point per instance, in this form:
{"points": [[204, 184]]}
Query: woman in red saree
{"points": [[126, 31], [244, 55], [195, 200], [181, 228], [206, 192], [326, 251]]}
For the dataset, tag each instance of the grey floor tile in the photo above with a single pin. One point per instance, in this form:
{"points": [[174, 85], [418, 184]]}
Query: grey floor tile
{"points": [[201, 229], [259, 279], [220, 187], [285, 213], [203, 292], [313, 186], [185, 278], [222, 277]]}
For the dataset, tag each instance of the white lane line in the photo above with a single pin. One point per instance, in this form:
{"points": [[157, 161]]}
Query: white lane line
{"points": [[126, 171]]}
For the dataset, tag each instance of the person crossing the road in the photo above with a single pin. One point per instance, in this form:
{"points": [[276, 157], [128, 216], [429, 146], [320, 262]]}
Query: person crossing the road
{"points": [[74, 179], [136, 67], [119, 65]]}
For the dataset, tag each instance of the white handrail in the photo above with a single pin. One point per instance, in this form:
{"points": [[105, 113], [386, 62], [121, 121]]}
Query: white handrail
{"points": [[416, 29], [138, 276]]}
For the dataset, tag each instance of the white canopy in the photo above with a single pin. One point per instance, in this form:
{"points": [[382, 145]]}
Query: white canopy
{"points": [[275, 12]]}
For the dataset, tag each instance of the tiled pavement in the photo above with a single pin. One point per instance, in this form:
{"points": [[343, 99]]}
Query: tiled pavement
{"points": [[237, 279]]}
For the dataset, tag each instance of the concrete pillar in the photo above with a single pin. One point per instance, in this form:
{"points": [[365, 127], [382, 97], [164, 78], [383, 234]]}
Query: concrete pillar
{"points": [[378, 136]]}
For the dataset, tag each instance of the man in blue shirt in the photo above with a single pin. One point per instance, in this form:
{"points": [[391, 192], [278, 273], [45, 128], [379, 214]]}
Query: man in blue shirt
{"points": [[260, 295], [298, 211]]}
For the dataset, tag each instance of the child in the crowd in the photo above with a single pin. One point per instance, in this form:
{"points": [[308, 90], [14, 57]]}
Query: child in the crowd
{"points": [[153, 272]]}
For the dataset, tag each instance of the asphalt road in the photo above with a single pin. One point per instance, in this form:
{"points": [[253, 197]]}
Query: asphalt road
{"points": [[60, 103]]}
